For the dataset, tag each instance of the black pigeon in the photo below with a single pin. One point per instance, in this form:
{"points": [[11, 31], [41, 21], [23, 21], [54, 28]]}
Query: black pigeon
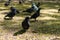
{"points": [[36, 14], [7, 3], [21, 1], [9, 0], [58, 10], [25, 23], [12, 13]]}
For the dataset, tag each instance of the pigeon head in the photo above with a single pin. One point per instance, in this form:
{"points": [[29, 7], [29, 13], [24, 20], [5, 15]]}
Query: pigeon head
{"points": [[38, 4], [27, 18], [11, 8]]}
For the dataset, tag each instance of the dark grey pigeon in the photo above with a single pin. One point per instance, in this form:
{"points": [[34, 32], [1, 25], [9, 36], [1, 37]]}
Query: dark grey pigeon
{"points": [[12, 13], [26, 23]]}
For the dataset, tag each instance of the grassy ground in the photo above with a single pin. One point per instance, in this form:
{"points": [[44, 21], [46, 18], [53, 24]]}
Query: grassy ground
{"points": [[47, 26]]}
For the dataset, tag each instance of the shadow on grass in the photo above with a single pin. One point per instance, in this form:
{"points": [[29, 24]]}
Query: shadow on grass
{"points": [[19, 32], [49, 30], [48, 27]]}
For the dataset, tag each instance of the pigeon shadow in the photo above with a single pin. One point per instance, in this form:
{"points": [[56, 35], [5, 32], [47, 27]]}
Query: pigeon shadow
{"points": [[19, 32]]}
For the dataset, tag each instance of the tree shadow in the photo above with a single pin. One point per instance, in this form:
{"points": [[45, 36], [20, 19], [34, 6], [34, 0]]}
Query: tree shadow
{"points": [[48, 27], [19, 32]]}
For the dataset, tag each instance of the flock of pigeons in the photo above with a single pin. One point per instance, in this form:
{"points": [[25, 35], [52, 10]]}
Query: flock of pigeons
{"points": [[25, 24]]}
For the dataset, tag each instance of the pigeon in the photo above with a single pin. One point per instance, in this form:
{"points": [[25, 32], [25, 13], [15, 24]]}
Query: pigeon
{"points": [[29, 10], [32, 9], [9, 0], [21, 1], [7, 3], [12, 13], [26, 23], [13, 9], [36, 14], [38, 4]]}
